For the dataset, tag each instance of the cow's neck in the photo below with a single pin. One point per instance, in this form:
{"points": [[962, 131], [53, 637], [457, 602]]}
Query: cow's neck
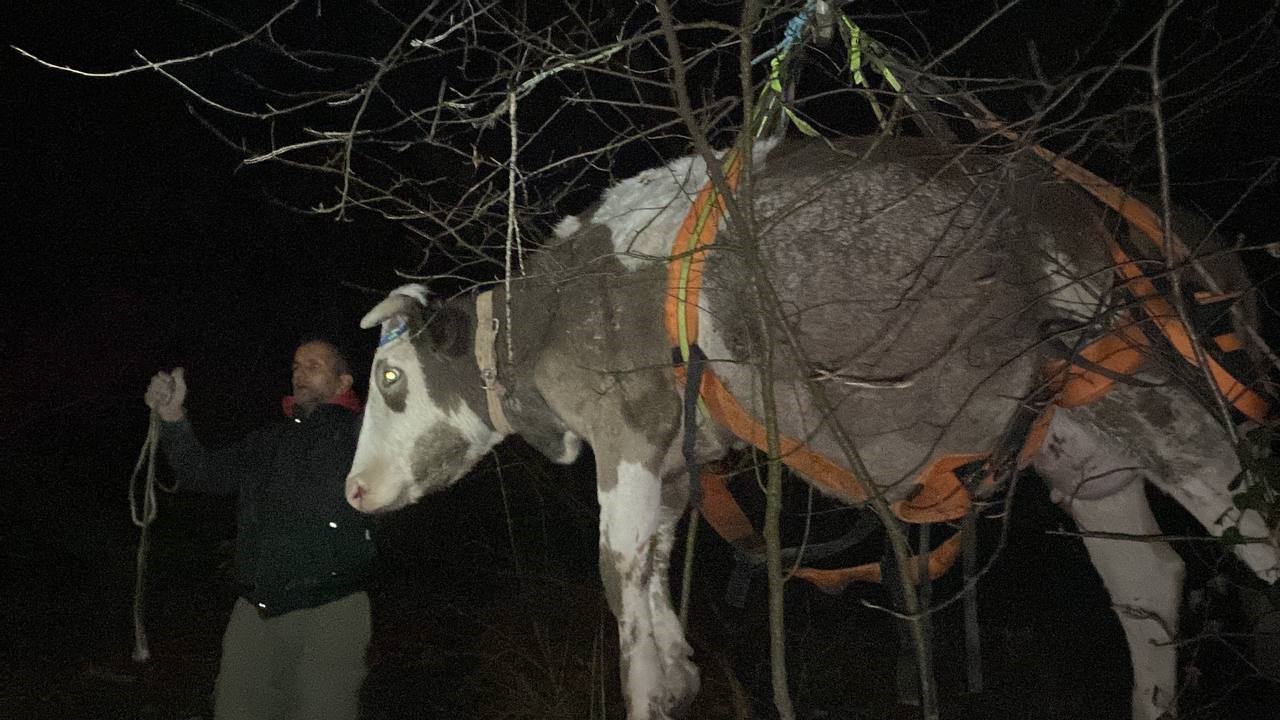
{"points": [[515, 354]]}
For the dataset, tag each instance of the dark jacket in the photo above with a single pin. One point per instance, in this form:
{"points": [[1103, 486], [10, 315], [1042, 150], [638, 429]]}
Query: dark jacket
{"points": [[298, 542]]}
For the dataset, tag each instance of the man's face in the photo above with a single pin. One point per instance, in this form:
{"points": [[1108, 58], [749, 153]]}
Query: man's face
{"points": [[315, 381]]}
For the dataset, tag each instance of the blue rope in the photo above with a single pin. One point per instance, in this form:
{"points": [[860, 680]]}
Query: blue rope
{"points": [[795, 29]]}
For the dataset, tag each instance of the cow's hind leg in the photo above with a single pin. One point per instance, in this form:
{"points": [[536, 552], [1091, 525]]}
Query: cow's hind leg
{"points": [[1102, 487], [1144, 580], [637, 527]]}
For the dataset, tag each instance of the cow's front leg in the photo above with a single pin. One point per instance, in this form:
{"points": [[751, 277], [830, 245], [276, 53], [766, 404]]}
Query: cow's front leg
{"points": [[637, 526]]}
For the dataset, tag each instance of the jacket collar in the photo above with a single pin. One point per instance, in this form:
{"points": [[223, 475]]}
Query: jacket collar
{"points": [[348, 400]]}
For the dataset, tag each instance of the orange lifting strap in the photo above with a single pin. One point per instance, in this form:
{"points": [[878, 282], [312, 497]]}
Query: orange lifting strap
{"points": [[835, 580], [1120, 351]]}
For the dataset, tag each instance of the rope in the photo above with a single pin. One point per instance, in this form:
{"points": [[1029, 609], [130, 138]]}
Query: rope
{"points": [[142, 515], [794, 34]]}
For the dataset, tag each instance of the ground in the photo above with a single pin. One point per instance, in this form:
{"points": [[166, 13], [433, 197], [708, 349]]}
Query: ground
{"points": [[483, 613]]}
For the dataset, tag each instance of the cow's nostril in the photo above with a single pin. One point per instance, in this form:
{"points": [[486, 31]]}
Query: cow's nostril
{"points": [[355, 493]]}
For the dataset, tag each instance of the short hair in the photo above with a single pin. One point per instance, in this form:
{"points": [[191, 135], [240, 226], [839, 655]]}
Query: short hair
{"points": [[341, 365]]}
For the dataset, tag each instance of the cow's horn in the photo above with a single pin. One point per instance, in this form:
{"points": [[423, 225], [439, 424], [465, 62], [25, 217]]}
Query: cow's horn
{"points": [[401, 301]]}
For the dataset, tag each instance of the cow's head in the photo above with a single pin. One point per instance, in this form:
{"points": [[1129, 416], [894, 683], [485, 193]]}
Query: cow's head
{"points": [[424, 424]]}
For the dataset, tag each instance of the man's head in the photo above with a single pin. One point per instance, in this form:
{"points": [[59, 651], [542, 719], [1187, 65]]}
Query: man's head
{"points": [[320, 374]]}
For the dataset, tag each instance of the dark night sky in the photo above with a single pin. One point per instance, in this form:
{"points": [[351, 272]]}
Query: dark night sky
{"points": [[140, 242]]}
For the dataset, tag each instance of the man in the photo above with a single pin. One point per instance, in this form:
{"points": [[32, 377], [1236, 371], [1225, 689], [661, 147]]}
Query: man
{"points": [[295, 644]]}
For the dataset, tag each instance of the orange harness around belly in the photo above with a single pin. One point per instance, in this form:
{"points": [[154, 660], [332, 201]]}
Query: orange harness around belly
{"points": [[945, 488]]}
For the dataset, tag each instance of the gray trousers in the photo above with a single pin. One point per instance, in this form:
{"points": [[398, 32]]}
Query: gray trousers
{"points": [[304, 665]]}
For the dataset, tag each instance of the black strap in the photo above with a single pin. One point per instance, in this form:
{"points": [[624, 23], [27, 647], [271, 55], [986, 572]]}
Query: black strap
{"points": [[689, 443], [747, 564]]}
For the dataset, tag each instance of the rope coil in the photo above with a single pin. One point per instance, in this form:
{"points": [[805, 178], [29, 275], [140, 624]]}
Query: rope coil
{"points": [[142, 515]]}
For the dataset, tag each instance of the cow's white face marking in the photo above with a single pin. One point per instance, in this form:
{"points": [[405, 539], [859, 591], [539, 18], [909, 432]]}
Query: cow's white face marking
{"points": [[410, 445]]}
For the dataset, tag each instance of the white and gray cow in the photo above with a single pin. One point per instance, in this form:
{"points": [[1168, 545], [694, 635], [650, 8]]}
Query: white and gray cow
{"points": [[914, 278]]}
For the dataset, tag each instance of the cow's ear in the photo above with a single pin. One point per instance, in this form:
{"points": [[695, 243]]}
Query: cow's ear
{"points": [[449, 329]]}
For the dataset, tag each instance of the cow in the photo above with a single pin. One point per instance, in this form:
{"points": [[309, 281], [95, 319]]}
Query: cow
{"points": [[896, 294]]}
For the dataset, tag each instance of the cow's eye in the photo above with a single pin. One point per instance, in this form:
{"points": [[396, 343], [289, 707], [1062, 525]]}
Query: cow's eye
{"points": [[390, 377]]}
